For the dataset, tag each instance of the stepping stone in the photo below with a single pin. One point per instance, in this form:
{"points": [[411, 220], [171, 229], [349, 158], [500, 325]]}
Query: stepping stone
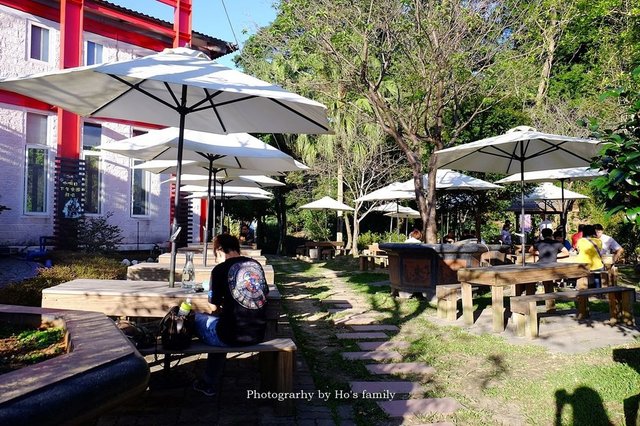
{"points": [[425, 406], [401, 368], [393, 387], [374, 346], [355, 336], [358, 319], [375, 327], [334, 301], [343, 305], [373, 355], [336, 310]]}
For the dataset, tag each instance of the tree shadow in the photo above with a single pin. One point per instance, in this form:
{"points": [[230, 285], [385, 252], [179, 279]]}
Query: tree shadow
{"points": [[586, 405], [631, 357]]}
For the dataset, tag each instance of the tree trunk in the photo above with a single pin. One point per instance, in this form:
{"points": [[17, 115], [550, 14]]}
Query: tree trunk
{"points": [[549, 36]]}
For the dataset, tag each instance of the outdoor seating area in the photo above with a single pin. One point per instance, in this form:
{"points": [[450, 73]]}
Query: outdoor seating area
{"points": [[319, 213]]}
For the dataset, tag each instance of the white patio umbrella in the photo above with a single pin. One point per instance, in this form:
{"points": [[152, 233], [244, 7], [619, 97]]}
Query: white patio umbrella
{"points": [[561, 175], [178, 87], [259, 181], [234, 150], [394, 210], [327, 203], [520, 150]]}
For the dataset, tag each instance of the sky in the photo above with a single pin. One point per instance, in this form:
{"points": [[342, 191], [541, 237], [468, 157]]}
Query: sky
{"points": [[246, 17]]}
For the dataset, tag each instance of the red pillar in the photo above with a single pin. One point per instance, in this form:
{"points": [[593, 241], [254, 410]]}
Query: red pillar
{"points": [[182, 23], [71, 24]]}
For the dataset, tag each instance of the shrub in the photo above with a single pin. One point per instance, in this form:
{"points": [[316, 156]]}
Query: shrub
{"points": [[367, 238], [96, 235]]}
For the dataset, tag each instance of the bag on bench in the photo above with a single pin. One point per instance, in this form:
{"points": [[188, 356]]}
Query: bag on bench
{"points": [[176, 331], [140, 336]]}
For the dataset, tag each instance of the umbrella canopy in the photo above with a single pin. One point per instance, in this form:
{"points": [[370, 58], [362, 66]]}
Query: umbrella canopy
{"points": [[446, 179], [178, 87], [234, 196], [230, 190], [258, 181], [548, 191], [573, 173], [520, 150], [196, 168], [326, 203], [235, 150]]}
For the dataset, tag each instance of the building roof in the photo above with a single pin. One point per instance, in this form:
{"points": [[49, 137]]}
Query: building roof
{"points": [[212, 46]]}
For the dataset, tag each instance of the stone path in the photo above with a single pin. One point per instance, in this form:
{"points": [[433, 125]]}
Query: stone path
{"points": [[398, 399]]}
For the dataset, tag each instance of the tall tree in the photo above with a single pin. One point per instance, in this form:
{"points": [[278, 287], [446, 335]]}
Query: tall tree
{"points": [[415, 62]]}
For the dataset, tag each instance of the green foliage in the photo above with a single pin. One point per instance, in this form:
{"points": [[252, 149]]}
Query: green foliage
{"points": [[95, 234], [367, 238], [620, 155], [41, 338]]}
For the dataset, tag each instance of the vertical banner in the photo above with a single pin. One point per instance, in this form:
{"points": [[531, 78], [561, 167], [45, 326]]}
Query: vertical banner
{"points": [[68, 201]]}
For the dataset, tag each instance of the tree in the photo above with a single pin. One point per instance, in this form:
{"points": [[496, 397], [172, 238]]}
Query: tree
{"points": [[416, 63], [620, 155]]}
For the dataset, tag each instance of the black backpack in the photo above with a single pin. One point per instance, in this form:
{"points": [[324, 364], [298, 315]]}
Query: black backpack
{"points": [[176, 331]]}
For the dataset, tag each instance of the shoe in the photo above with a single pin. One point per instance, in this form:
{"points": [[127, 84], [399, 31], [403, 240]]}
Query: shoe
{"points": [[204, 388]]}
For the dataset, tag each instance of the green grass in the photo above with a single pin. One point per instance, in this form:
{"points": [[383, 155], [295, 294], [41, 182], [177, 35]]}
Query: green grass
{"points": [[497, 382]]}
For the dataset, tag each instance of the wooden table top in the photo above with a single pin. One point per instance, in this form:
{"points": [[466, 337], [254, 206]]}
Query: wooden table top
{"points": [[503, 275]]}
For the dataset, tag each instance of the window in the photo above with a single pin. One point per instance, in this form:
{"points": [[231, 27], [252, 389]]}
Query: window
{"points": [[39, 48], [94, 53], [91, 136], [139, 191], [140, 185], [36, 164]]}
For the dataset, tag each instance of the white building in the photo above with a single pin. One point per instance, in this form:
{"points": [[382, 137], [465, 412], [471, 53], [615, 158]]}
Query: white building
{"points": [[31, 144]]}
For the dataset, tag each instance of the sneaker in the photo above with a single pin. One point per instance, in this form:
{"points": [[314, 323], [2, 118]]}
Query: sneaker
{"points": [[204, 388]]}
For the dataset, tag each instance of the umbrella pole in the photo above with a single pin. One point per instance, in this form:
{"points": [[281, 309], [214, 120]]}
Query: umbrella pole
{"points": [[206, 223], [222, 203], [563, 215], [176, 200], [524, 235]]}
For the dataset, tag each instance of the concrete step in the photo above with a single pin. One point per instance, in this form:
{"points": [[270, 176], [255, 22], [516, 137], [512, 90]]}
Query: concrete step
{"points": [[375, 346], [395, 387], [401, 368], [374, 327], [412, 407], [356, 336], [372, 355]]}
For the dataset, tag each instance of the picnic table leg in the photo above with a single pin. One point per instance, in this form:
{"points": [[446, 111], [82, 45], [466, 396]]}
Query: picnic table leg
{"points": [[582, 304], [467, 303], [497, 305], [626, 314], [548, 288], [615, 302], [534, 331]]}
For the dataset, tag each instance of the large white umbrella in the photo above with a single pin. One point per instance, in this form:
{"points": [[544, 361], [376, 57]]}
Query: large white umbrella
{"points": [[327, 203], [520, 150], [561, 175], [230, 190], [234, 196], [178, 87], [394, 210]]}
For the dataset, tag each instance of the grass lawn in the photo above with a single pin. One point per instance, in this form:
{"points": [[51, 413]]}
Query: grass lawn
{"points": [[496, 382]]}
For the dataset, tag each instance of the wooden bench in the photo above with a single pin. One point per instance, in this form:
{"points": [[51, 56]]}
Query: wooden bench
{"points": [[525, 311], [447, 296], [276, 359], [371, 260]]}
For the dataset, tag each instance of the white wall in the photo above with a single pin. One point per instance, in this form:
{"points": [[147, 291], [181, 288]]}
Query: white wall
{"points": [[18, 228]]}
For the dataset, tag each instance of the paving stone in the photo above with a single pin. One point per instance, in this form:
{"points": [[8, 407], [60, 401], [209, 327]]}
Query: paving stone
{"points": [[335, 301], [374, 346], [359, 319], [372, 355], [374, 327], [337, 310], [343, 305], [401, 368], [394, 387], [425, 406], [355, 336]]}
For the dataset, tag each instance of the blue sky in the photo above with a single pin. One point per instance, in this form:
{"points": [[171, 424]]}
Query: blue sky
{"points": [[246, 17]]}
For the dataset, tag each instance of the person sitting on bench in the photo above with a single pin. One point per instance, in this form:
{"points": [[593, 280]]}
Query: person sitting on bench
{"points": [[548, 249], [237, 308]]}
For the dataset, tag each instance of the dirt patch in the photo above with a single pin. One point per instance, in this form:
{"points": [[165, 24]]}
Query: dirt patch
{"points": [[21, 345]]}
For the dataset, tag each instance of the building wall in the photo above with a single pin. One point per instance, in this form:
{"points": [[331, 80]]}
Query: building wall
{"points": [[19, 228]]}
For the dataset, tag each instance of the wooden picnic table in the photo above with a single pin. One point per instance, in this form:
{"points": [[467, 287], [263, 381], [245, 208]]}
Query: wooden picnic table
{"points": [[498, 277]]}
